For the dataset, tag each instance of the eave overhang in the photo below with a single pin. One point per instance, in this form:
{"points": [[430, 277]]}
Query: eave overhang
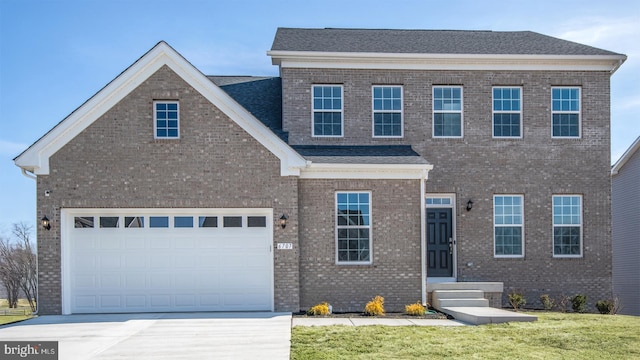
{"points": [[410, 61]]}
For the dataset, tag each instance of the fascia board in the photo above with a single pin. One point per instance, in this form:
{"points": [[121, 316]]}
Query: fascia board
{"points": [[36, 157], [365, 171], [626, 156], [306, 59]]}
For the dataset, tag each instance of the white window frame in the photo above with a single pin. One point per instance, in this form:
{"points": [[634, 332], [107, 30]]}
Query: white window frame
{"points": [[341, 111], [494, 111], [578, 112], [370, 227], [508, 225], [433, 111], [581, 226], [155, 119], [374, 112]]}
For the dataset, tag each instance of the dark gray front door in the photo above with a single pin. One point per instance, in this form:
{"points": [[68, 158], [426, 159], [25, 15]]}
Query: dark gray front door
{"points": [[439, 243]]}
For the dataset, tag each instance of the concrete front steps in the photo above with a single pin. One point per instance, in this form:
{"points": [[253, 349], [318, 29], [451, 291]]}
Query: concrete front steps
{"points": [[470, 306]]}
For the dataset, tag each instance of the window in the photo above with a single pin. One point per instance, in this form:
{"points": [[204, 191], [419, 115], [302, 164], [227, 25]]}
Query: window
{"points": [[109, 221], [567, 225], [166, 119], [565, 112], [159, 221], [507, 112], [208, 221], [327, 110], [447, 111], [232, 221], [133, 221], [80, 222], [256, 221], [183, 221], [387, 111], [353, 227], [508, 225]]}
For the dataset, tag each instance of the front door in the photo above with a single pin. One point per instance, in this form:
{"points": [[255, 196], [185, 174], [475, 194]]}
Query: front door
{"points": [[439, 243]]}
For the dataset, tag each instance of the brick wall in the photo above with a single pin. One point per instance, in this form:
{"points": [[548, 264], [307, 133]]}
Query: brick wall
{"points": [[116, 163], [478, 166], [395, 272]]}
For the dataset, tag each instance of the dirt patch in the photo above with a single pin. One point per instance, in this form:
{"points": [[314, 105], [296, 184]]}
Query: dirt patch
{"points": [[432, 314]]}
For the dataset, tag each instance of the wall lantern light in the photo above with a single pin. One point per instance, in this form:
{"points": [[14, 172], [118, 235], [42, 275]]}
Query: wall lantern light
{"points": [[283, 220], [469, 205], [46, 223]]}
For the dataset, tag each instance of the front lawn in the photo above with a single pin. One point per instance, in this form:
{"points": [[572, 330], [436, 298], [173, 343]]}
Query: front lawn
{"points": [[8, 316], [553, 336]]}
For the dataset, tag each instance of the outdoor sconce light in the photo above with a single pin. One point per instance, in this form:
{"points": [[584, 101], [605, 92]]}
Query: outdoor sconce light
{"points": [[46, 223], [469, 205], [283, 220]]}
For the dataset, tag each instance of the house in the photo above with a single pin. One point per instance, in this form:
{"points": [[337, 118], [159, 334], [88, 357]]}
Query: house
{"points": [[379, 162], [625, 210]]}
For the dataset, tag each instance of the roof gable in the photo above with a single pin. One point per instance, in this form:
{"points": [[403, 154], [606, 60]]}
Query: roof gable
{"points": [[626, 156], [36, 158]]}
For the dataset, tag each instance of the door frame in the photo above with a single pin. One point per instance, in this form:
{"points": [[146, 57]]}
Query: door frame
{"points": [[449, 203]]}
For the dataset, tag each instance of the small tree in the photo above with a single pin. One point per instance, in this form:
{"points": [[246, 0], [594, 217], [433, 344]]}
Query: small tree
{"points": [[18, 269]]}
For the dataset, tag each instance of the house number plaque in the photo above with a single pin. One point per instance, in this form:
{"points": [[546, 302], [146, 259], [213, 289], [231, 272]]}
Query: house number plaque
{"points": [[285, 246]]}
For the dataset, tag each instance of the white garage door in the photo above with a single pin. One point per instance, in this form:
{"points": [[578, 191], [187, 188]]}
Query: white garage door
{"points": [[167, 260]]}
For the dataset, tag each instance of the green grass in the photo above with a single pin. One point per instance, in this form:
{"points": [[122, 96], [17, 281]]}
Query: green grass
{"points": [[8, 316], [553, 336]]}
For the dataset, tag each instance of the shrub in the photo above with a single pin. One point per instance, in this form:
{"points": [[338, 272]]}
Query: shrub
{"points": [[375, 306], [608, 306], [320, 309], [547, 302], [415, 309], [579, 303], [517, 300]]}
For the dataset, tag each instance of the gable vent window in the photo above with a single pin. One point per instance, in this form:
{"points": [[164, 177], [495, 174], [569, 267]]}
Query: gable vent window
{"points": [[166, 119]]}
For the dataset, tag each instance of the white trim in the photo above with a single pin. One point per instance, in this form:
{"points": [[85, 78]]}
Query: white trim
{"points": [[313, 111], [423, 239], [567, 112], [519, 112], [553, 226], [626, 156], [433, 111], [66, 226], [493, 206], [454, 234], [155, 119], [364, 171], [401, 61], [370, 227], [36, 157], [373, 113]]}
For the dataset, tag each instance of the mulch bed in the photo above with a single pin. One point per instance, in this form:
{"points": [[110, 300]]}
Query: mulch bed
{"points": [[432, 314]]}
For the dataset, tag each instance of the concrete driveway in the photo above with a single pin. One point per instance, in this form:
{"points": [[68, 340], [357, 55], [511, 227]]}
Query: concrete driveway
{"points": [[160, 336]]}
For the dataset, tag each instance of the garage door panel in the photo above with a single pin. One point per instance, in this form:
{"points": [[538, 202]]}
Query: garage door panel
{"points": [[120, 269]]}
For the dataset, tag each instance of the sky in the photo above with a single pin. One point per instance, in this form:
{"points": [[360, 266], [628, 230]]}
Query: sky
{"points": [[56, 54]]}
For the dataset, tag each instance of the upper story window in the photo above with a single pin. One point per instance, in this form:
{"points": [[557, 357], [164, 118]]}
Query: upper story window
{"points": [[166, 119], [353, 227], [327, 110], [565, 112], [507, 112], [447, 111], [508, 225], [567, 225], [387, 111]]}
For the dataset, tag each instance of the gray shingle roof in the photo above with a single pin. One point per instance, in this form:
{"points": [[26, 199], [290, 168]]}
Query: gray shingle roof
{"points": [[427, 42]]}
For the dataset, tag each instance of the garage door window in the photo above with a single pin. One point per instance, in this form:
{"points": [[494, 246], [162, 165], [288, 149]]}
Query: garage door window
{"points": [[134, 221], [208, 221], [159, 221], [83, 222], [256, 221], [183, 221], [232, 221], [109, 221]]}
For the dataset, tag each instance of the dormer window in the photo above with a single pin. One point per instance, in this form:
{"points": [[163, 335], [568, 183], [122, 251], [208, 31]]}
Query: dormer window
{"points": [[166, 119], [327, 110]]}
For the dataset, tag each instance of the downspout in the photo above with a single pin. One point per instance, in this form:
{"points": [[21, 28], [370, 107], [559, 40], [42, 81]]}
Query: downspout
{"points": [[423, 236], [35, 313]]}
